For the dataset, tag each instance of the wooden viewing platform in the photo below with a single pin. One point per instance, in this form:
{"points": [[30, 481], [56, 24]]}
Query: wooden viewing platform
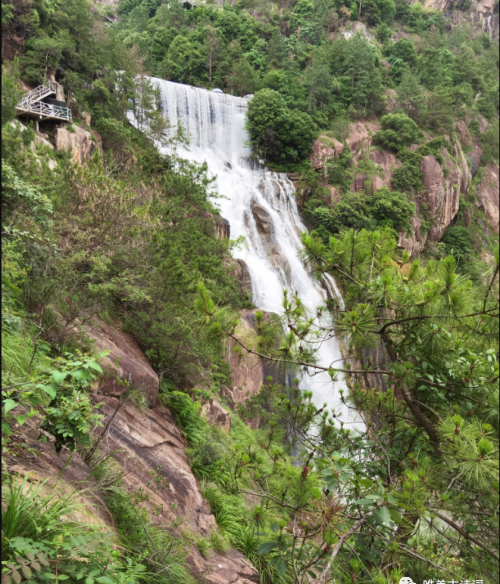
{"points": [[31, 104]]}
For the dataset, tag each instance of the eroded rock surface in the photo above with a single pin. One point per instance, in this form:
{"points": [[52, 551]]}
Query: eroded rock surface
{"points": [[125, 366], [144, 441], [216, 415], [265, 230], [488, 195], [79, 142]]}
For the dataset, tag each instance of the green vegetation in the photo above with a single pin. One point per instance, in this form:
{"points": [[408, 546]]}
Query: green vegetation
{"points": [[40, 539], [436, 402], [383, 208], [276, 132], [398, 131], [131, 237]]}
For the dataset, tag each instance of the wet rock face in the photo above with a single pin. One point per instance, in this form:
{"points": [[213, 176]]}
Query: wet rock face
{"points": [[78, 142], [488, 195], [262, 220], [223, 227], [125, 361], [265, 229], [243, 275]]}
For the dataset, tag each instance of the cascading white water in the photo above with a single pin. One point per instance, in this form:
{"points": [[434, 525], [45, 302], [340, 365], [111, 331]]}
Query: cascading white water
{"points": [[260, 206]]}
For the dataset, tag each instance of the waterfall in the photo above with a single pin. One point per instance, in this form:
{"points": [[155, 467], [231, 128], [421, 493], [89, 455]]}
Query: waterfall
{"points": [[259, 205]]}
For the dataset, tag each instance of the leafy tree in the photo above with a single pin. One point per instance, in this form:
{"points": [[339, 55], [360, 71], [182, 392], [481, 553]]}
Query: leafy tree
{"points": [[213, 47], [436, 66], [410, 97], [458, 243], [398, 130], [10, 97], [391, 209], [319, 84], [403, 49], [361, 74], [489, 143], [279, 133], [242, 79], [440, 110], [183, 61], [161, 42], [378, 11], [425, 381]]}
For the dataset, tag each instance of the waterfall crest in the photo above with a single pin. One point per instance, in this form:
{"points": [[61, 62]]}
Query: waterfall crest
{"points": [[260, 206]]}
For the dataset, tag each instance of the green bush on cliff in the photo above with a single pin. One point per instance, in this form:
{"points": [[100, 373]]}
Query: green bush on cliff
{"points": [[281, 135], [382, 208], [398, 130]]}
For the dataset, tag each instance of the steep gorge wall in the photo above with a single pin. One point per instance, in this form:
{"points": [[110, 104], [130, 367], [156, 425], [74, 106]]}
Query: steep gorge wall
{"points": [[140, 441], [480, 13], [443, 184]]}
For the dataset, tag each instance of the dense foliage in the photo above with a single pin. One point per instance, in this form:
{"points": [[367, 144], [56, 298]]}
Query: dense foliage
{"points": [[131, 237], [428, 460]]}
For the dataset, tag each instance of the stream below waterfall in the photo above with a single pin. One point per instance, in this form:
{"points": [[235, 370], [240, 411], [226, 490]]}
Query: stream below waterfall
{"points": [[259, 205]]}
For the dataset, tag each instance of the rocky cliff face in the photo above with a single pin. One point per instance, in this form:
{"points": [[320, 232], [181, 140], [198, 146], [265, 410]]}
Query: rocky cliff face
{"points": [[139, 441], [81, 143], [443, 184], [481, 13]]}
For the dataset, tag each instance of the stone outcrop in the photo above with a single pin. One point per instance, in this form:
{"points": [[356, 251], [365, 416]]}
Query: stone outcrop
{"points": [[80, 143], [146, 445], [125, 366], [247, 371], [487, 192], [387, 162], [223, 227], [243, 275], [481, 14], [48, 465], [216, 415], [265, 230], [323, 149], [441, 198], [361, 137]]}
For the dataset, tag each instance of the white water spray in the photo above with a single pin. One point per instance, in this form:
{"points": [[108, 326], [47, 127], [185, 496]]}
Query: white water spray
{"points": [[260, 206]]}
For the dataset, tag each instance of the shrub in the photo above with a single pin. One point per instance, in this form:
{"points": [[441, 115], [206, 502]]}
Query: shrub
{"points": [[279, 134], [391, 209], [458, 243], [489, 143], [403, 49], [398, 131]]}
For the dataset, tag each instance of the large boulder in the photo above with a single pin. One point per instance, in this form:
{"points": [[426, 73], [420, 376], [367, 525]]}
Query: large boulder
{"points": [[125, 366], [216, 415], [324, 149], [263, 220], [266, 233], [81, 143]]}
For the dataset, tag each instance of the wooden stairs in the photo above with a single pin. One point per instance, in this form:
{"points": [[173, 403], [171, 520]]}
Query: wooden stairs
{"points": [[31, 104]]}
